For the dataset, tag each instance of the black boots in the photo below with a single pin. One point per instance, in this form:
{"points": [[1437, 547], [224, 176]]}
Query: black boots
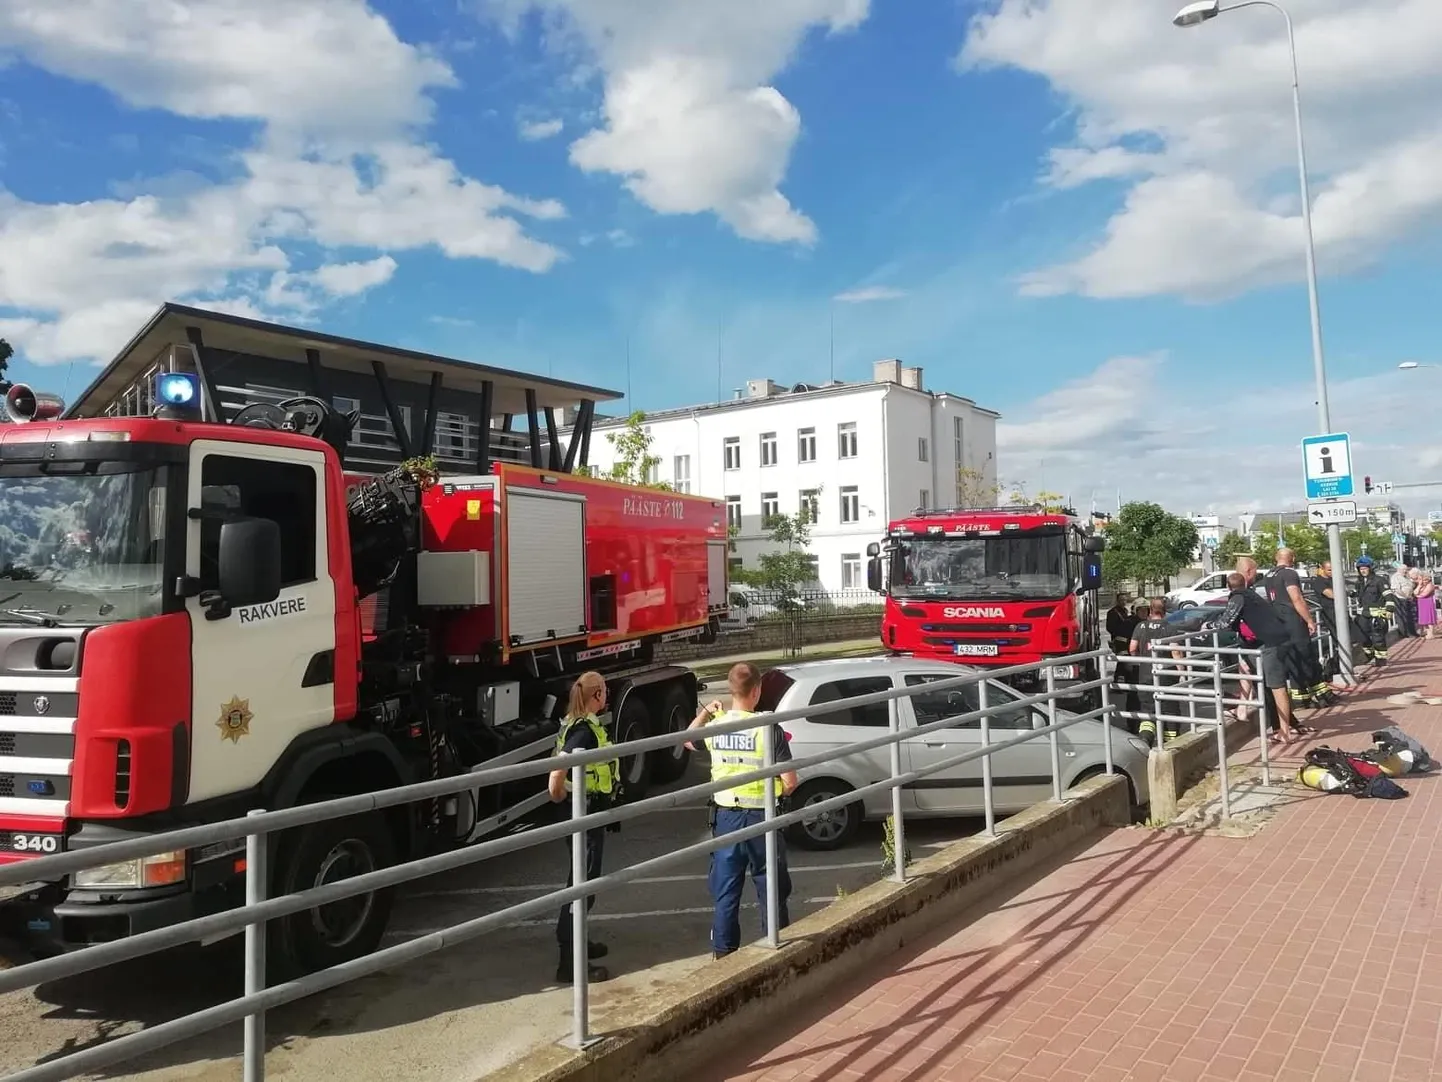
{"points": [[565, 971]]}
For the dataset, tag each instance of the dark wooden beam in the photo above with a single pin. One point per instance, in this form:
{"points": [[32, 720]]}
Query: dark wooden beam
{"points": [[209, 400], [553, 439], [534, 422], [398, 423], [428, 437], [586, 436], [483, 440], [581, 424], [507, 420], [319, 385]]}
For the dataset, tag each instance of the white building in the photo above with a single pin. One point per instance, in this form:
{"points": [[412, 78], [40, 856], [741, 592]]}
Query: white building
{"points": [[857, 454]]}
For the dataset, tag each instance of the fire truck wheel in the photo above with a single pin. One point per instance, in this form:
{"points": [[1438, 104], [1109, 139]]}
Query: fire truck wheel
{"points": [[677, 710], [829, 829], [350, 928], [634, 724]]}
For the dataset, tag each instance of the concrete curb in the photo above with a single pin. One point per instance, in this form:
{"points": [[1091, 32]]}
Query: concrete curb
{"points": [[664, 1035]]}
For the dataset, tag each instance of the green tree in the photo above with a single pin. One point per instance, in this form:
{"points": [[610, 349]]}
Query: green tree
{"points": [[974, 489], [1228, 549], [1146, 544], [1364, 537], [634, 464], [1307, 541], [6, 352], [1048, 501], [787, 569]]}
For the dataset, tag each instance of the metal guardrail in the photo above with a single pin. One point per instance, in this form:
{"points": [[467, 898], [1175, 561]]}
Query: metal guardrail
{"points": [[259, 825]]}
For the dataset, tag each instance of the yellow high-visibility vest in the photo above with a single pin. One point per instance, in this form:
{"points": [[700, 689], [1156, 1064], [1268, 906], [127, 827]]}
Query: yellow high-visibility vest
{"points": [[733, 754], [600, 777]]}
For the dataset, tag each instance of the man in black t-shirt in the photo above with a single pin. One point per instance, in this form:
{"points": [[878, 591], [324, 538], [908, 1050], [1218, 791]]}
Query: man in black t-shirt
{"points": [[1265, 629], [1284, 590], [1146, 632]]}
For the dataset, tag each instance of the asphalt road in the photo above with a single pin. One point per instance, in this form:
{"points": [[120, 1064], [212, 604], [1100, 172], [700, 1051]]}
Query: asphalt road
{"points": [[453, 1016]]}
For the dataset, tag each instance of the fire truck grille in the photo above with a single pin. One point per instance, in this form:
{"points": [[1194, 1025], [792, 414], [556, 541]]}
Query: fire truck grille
{"points": [[977, 629], [7, 785], [7, 743], [7, 703]]}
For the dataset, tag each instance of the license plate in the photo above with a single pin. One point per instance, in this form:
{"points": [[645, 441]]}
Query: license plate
{"points": [[977, 649], [24, 841]]}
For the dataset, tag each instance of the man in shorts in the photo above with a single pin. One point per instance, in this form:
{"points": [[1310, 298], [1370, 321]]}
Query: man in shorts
{"points": [[1246, 606]]}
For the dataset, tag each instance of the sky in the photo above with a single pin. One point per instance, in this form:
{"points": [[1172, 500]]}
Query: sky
{"points": [[1090, 224]]}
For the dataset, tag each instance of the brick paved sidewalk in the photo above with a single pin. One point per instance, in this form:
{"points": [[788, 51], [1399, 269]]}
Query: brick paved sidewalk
{"points": [[1306, 953]]}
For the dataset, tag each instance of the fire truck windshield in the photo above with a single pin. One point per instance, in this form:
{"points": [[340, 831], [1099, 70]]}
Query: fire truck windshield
{"points": [[81, 546], [1020, 566]]}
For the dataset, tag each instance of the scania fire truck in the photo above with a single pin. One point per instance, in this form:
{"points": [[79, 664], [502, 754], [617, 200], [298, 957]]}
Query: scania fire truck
{"points": [[199, 618], [992, 586]]}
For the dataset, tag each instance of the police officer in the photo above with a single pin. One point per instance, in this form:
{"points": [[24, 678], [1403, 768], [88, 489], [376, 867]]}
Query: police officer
{"points": [[744, 805], [581, 730], [1373, 611]]}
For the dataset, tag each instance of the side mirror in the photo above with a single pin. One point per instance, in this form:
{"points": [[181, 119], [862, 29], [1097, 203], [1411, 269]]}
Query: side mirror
{"points": [[249, 562], [873, 549], [1091, 572], [1094, 543], [873, 575]]}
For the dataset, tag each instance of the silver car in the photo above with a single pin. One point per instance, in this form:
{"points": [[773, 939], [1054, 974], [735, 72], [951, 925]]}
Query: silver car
{"points": [[1021, 775]]}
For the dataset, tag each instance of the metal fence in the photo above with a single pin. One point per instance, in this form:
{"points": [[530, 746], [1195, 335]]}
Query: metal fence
{"points": [[260, 826], [788, 621]]}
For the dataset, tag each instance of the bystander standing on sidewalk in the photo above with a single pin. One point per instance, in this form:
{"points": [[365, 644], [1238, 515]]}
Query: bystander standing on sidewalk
{"points": [[1405, 595]]}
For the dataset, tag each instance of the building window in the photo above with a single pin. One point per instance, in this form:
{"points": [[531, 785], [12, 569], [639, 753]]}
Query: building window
{"points": [[806, 445], [732, 448], [921, 449], [345, 405], [925, 503], [851, 571], [451, 435], [850, 504], [846, 440], [683, 473], [651, 472], [733, 512], [810, 504], [768, 448], [960, 428], [770, 508]]}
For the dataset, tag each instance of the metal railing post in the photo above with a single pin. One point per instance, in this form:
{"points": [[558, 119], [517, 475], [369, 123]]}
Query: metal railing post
{"points": [[988, 800], [580, 943], [1262, 693], [255, 879], [898, 827], [1052, 736], [1106, 696], [773, 886]]}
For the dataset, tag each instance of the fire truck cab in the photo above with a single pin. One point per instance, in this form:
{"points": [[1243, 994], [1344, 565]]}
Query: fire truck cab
{"points": [[992, 587]]}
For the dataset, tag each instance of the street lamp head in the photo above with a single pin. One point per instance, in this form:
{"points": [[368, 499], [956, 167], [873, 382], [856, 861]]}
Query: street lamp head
{"points": [[1408, 365], [1198, 13]]}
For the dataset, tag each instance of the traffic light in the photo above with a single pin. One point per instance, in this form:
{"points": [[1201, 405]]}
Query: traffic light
{"points": [[1367, 484]]}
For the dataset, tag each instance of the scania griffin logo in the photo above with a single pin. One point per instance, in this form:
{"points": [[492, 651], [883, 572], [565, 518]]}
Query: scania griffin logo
{"points": [[973, 612]]}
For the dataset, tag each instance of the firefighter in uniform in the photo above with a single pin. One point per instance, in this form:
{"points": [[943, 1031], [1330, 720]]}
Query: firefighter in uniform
{"points": [[581, 730], [1374, 609], [744, 805]]}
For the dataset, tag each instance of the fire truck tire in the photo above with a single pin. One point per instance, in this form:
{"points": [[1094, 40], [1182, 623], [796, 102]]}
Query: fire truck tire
{"points": [[634, 724], [352, 928], [831, 829], [677, 710]]}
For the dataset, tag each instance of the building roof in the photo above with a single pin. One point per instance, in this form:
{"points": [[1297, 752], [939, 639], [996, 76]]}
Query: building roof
{"points": [[799, 391], [237, 334]]}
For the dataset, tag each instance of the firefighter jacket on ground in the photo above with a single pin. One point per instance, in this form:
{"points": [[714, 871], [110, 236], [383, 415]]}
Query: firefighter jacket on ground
{"points": [[600, 777], [733, 754]]}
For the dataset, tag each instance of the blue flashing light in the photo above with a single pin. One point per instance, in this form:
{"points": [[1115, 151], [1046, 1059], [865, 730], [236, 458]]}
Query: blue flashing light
{"points": [[177, 389]]}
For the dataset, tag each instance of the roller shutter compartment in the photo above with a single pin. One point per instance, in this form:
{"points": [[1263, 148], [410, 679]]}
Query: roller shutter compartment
{"points": [[545, 565]]}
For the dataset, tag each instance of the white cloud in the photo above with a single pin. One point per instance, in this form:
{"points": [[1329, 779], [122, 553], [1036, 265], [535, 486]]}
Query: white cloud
{"points": [[533, 131], [867, 294], [691, 120], [1199, 122], [1157, 432], [334, 163]]}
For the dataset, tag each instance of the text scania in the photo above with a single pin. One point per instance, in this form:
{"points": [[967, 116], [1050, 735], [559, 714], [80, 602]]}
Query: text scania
{"points": [[974, 612], [290, 606], [640, 507]]}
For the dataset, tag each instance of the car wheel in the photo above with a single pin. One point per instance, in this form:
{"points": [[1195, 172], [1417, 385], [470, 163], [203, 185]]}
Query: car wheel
{"points": [[829, 829], [1098, 771], [1186, 604], [669, 764]]}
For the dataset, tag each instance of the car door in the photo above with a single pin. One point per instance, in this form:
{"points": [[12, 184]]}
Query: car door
{"points": [[1021, 776]]}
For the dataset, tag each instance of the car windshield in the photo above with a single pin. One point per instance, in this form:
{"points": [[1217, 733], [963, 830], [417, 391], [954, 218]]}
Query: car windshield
{"points": [[81, 547], [1019, 566]]}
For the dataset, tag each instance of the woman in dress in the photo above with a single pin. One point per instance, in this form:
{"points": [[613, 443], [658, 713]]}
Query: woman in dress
{"points": [[1426, 604]]}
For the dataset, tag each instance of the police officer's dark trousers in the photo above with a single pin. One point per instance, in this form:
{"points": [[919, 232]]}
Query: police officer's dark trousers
{"points": [[595, 846], [728, 877]]}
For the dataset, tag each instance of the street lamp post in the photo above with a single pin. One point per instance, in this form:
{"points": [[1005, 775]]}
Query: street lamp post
{"points": [[1193, 15]]}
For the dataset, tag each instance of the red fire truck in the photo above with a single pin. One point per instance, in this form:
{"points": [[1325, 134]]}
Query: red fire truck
{"points": [[991, 586], [200, 618]]}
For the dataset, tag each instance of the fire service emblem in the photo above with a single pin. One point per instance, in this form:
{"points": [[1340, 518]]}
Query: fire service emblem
{"points": [[234, 719]]}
